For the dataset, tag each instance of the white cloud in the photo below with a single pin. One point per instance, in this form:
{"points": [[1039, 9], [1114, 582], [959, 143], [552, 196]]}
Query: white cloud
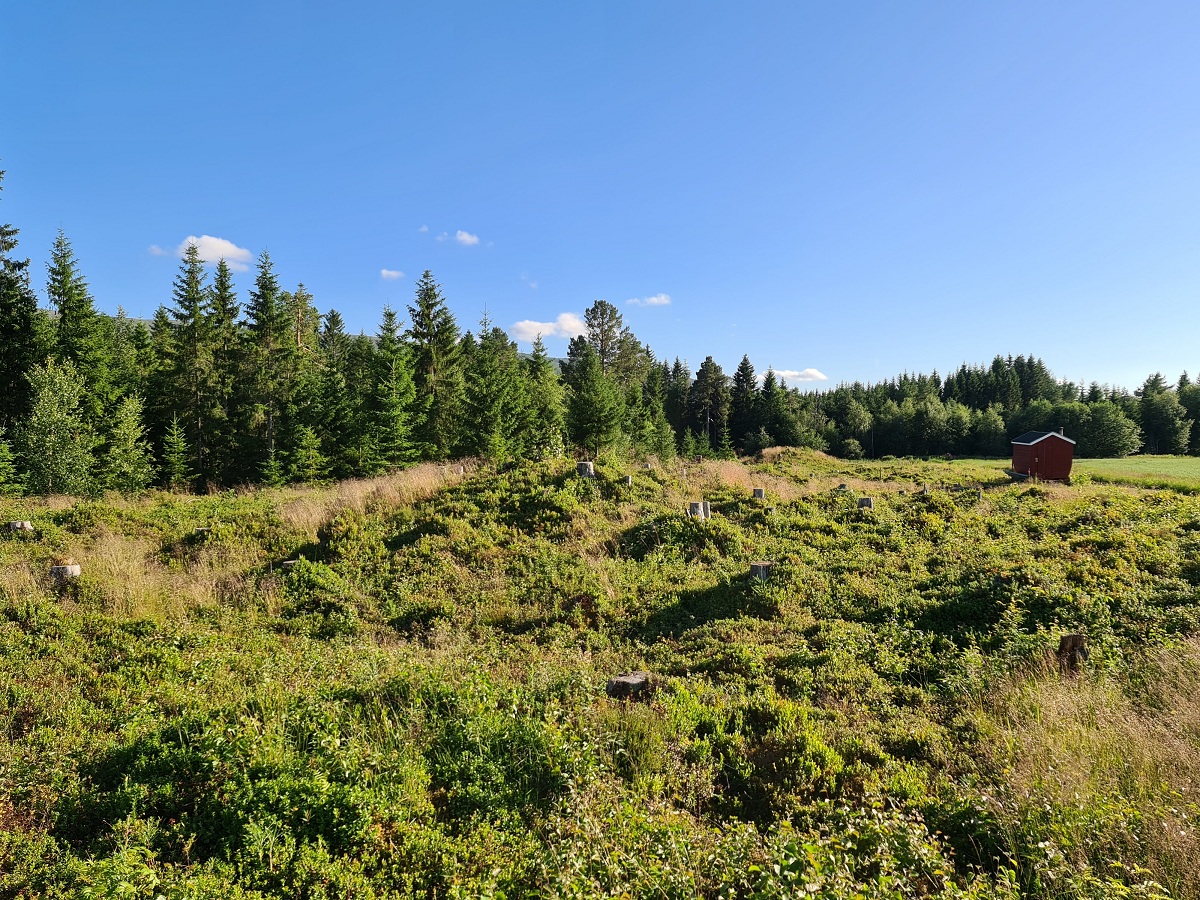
{"points": [[156, 250], [442, 237], [466, 238], [424, 229], [801, 375], [390, 274], [215, 248], [567, 325], [656, 300]]}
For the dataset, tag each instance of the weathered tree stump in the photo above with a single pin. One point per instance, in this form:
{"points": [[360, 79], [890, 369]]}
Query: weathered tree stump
{"points": [[699, 458], [25, 526], [649, 466], [1072, 652], [287, 564], [629, 481], [843, 487], [866, 503], [65, 572], [201, 534], [770, 510], [461, 470], [629, 686], [698, 509], [586, 469], [761, 570], [760, 493]]}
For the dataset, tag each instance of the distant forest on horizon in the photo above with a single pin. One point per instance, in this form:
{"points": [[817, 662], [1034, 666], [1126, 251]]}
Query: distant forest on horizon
{"points": [[217, 390]]}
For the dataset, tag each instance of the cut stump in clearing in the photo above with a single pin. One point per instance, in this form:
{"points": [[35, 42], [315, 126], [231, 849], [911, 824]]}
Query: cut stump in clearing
{"points": [[760, 493], [761, 569], [586, 469], [25, 526], [65, 572], [629, 686], [866, 503], [1072, 652]]}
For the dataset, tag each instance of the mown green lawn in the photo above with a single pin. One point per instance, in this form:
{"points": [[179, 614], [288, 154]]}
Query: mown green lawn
{"points": [[1178, 472]]}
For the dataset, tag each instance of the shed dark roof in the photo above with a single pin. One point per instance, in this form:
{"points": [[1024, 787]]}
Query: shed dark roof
{"points": [[1032, 437]]}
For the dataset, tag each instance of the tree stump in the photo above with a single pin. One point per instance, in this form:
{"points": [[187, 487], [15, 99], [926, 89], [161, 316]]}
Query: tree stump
{"points": [[586, 469], [697, 509], [649, 466], [761, 570], [25, 526], [65, 572], [629, 686], [760, 493], [629, 481], [866, 503], [1072, 652], [201, 534], [287, 564], [699, 458], [461, 470]]}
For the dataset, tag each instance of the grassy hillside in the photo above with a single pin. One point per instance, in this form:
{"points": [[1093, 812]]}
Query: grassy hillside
{"points": [[418, 706]]}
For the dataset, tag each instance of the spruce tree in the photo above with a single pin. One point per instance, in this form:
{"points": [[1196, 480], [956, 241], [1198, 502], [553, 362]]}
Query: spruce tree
{"points": [[594, 410], [743, 404], [544, 394], [192, 375], [308, 464], [495, 404], [391, 442], [176, 467], [261, 395], [225, 341], [437, 367], [9, 483], [25, 338], [127, 463], [55, 440], [81, 335], [708, 402]]}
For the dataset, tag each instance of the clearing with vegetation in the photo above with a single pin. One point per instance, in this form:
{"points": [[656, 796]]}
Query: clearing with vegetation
{"points": [[416, 705]]}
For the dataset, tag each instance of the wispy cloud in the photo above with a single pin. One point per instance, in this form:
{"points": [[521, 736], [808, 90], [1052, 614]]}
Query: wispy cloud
{"points": [[656, 300], [567, 325], [390, 274], [801, 375], [156, 250], [466, 238], [424, 229], [213, 249]]}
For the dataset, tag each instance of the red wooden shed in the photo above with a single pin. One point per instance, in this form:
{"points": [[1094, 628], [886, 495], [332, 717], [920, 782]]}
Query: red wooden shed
{"points": [[1043, 454]]}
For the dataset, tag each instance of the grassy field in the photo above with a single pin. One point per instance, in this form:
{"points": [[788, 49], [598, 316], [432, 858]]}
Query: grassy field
{"points": [[417, 706], [1172, 472]]}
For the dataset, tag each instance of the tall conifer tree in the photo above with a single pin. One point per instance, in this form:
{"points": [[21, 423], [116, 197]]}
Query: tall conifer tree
{"points": [[24, 333], [437, 366], [81, 335]]}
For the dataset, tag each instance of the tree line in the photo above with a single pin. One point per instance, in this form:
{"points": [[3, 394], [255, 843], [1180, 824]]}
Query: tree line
{"points": [[216, 391]]}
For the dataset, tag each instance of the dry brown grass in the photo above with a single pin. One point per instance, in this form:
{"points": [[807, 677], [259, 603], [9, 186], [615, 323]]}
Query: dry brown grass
{"points": [[306, 509], [1084, 743]]}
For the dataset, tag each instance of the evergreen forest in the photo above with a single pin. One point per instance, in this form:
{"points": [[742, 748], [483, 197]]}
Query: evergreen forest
{"points": [[228, 386]]}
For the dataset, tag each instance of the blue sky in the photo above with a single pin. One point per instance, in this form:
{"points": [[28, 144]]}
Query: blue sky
{"points": [[854, 189]]}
